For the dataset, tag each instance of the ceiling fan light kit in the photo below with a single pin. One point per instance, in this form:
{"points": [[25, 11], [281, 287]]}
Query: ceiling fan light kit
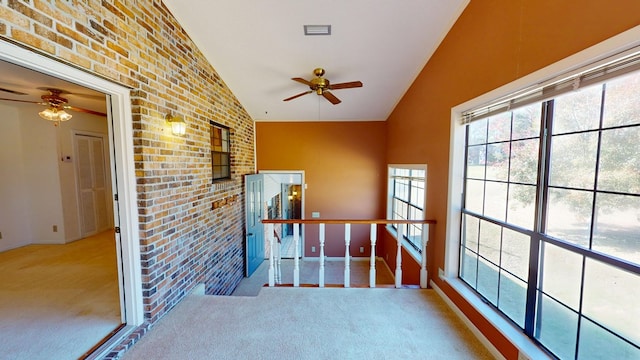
{"points": [[321, 86], [53, 114]]}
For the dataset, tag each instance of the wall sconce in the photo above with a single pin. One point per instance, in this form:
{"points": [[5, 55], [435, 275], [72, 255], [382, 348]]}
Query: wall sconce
{"points": [[178, 126]]}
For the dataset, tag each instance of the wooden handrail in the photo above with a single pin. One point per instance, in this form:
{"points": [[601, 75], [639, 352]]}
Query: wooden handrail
{"points": [[345, 221]]}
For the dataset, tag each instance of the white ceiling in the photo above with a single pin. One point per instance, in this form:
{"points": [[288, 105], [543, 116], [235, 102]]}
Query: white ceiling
{"points": [[257, 46]]}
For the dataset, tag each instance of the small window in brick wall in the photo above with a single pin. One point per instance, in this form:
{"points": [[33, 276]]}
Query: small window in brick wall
{"points": [[220, 151]]}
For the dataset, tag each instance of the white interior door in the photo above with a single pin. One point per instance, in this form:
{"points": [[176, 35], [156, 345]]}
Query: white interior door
{"points": [[92, 184]]}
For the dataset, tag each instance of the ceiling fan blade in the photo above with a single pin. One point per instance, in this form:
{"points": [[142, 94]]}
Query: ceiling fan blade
{"points": [[332, 98], [301, 80], [346, 85], [25, 101], [297, 96], [84, 110], [12, 91]]}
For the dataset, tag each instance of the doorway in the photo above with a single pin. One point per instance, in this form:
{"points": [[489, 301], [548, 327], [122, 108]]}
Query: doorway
{"points": [[284, 194], [62, 232]]}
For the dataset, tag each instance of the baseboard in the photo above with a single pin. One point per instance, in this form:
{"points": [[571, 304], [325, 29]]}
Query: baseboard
{"points": [[478, 334]]}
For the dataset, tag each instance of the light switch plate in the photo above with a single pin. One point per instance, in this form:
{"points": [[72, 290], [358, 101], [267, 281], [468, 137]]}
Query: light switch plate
{"points": [[315, 214]]}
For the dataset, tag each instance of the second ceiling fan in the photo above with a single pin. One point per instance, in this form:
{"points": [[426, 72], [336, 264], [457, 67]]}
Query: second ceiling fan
{"points": [[321, 86]]}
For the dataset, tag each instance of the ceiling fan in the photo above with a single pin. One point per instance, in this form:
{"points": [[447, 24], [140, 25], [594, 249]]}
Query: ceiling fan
{"points": [[56, 105], [322, 86]]}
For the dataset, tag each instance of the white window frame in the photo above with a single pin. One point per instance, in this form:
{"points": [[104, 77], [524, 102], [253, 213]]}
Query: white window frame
{"points": [[602, 52], [416, 254]]}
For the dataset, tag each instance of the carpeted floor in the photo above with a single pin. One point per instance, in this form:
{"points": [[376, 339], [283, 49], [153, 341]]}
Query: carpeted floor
{"points": [[311, 323], [58, 301]]}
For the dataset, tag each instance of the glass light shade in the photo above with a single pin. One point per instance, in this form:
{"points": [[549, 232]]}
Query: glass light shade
{"points": [[178, 126], [53, 114]]}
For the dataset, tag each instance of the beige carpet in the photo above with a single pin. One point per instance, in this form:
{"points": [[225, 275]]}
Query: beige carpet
{"points": [[311, 323], [58, 301]]}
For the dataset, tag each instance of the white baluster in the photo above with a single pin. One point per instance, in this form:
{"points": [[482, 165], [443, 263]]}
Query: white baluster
{"points": [[321, 274], [372, 269], [278, 261], [272, 279], [296, 261], [347, 255], [423, 269], [399, 258]]}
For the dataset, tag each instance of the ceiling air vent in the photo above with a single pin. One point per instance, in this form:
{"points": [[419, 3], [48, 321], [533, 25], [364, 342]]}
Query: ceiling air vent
{"points": [[317, 29]]}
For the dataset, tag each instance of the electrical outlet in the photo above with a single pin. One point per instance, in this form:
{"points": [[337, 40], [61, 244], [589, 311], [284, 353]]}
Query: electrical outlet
{"points": [[361, 249], [313, 249], [55, 228]]}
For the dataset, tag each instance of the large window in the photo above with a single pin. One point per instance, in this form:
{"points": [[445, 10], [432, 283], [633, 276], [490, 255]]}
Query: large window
{"points": [[551, 218], [406, 201]]}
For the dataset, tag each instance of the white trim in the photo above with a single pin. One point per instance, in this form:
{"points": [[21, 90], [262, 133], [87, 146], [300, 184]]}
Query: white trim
{"points": [[607, 49], [121, 147]]}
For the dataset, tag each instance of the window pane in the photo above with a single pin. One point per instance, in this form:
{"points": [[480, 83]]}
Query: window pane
{"points": [[597, 344], [499, 127], [522, 199], [561, 274], [402, 189], [417, 194], [524, 161], [495, 204], [515, 253], [476, 160], [478, 132], [569, 215], [489, 244], [617, 229], [611, 299], [620, 160], [513, 298], [576, 111], [488, 280], [573, 160], [471, 232], [399, 209], [622, 101], [526, 121], [469, 266], [474, 196], [498, 161], [556, 328]]}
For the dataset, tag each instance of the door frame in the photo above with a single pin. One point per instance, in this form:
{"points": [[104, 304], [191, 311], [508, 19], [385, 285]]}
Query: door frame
{"points": [[124, 184], [303, 188]]}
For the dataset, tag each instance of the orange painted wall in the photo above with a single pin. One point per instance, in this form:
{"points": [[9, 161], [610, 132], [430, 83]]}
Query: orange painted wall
{"points": [[345, 171], [494, 42]]}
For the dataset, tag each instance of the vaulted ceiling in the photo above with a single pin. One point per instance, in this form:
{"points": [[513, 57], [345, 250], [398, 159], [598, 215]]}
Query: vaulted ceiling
{"points": [[257, 46]]}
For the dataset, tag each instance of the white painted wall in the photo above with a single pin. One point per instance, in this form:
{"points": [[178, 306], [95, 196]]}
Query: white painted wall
{"points": [[42, 180], [14, 209]]}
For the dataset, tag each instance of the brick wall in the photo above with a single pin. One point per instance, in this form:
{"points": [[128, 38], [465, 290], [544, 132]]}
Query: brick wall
{"points": [[191, 231]]}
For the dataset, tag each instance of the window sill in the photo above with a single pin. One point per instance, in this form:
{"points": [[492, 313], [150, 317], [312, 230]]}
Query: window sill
{"points": [[525, 346], [415, 254]]}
